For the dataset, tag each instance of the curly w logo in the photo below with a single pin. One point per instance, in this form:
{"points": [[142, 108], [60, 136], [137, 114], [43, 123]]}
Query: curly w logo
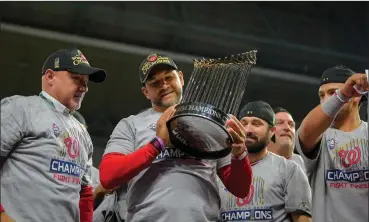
{"points": [[350, 157]]}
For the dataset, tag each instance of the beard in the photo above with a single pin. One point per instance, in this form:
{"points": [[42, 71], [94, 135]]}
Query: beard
{"points": [[259, 145], [175, 100], [73, 104]]}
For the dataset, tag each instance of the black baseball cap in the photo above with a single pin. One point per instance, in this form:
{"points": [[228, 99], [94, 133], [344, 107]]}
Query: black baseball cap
{"points": [[259, 109], [74, 61], [154, 60], [336, 74], [281, 110], [339, 74]]}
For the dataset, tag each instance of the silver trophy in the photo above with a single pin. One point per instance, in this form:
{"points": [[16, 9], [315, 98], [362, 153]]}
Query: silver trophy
{"points": [[215, 89]]}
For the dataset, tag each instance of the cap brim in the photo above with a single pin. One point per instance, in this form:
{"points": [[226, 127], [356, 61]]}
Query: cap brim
{"points": [[95, 74], [156, 66]]}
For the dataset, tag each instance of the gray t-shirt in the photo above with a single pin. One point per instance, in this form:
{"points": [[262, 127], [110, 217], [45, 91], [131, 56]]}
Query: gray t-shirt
{"points": [[175, 187], [279, 187], [106, 207], [339, 176], [298, 159], [47, 156], [95, 178], [110, 202]]}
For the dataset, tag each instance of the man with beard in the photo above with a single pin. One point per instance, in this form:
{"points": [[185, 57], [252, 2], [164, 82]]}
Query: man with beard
{"points": [[283, 141], [164, 184], [333, 142], [46, 154], [280, 190]]}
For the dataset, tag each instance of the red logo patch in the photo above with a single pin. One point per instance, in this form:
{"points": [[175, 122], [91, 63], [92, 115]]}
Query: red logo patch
{"points": [[350, 157], [83, 57], [72, 146], [152, 58]]}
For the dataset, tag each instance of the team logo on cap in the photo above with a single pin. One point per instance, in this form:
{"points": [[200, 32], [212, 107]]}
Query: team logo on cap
{"points": [[79, 59], [56, 63], [152, 58]]}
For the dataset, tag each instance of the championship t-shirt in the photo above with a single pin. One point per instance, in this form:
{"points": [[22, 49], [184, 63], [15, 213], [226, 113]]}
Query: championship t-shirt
{"points": [[339, 176], [46, 156], [176, 187], [279, 187]]}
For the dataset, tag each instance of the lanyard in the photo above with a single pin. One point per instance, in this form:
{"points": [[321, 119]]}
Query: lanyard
{"points": [[51, 103], [47, 100]]}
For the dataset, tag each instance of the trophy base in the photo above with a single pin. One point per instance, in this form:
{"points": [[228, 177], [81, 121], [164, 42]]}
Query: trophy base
{"points": [[198, 130]]}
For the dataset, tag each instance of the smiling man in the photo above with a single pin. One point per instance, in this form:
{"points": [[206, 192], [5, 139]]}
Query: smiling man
{"points": [[280, 190], [164, 184], [46, 154], [283, 142]]}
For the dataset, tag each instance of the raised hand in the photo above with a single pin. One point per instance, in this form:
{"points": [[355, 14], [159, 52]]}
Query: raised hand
{"points": [[238, 133]]}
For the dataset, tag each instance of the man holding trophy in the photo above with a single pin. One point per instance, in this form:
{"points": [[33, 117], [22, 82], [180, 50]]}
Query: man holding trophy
{"points": [[164, 183]]}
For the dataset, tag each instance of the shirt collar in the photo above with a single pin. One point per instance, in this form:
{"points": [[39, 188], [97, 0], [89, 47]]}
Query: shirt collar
{"points": [[55, 103]]}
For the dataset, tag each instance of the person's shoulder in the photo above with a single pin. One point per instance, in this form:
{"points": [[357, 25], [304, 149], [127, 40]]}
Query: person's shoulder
{"points": [[282, 162], [280, 165], [332, 132], [276, 157], [277, 160], [297, 157], [132, 119], [363, 130], [144, 113], [20, 101], [141, 116], [293, 165]]}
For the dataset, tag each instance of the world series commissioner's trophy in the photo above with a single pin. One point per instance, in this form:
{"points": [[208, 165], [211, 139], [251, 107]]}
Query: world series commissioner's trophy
{"points": [[215, 89]]}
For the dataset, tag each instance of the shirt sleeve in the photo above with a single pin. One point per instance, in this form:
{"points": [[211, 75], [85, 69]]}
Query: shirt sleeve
{"points": [[86, 197], [301, 163], [95, 178], [310, 163], [237, 177], [87, 175], [298, 197], [86, 178], [13, 124], [122, 138]]}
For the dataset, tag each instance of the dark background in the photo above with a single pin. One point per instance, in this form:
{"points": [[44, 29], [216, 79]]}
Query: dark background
{"points": [[296, 42]]}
